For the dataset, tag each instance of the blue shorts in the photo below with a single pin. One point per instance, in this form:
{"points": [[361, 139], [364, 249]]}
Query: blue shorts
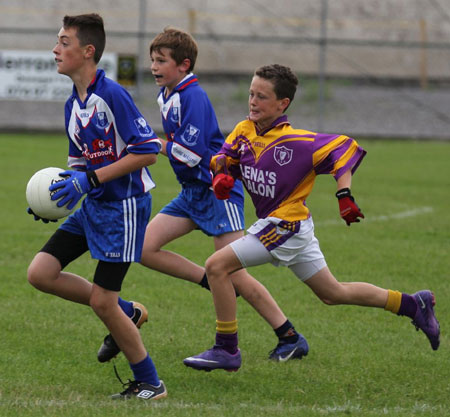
{"points": [[114, 230], [212, 216]]}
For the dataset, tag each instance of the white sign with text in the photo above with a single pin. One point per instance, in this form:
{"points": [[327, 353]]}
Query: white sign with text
{"points": [[32, 75]]}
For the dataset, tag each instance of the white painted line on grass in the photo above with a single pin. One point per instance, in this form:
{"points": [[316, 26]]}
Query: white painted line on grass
{"points": [[401, 215]]}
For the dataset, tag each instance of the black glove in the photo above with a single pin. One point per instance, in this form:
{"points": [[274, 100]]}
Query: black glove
{"points": [[37, 218]]}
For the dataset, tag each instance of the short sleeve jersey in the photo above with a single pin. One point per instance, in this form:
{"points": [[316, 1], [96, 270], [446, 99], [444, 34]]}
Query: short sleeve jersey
{"points": [[103, 129], [278, 166]]}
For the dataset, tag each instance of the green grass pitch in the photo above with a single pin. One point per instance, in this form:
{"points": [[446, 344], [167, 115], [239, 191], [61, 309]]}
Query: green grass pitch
{"points": [[362, 362]]}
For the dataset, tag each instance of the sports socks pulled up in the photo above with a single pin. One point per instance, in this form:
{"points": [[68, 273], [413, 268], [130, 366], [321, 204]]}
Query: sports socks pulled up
{"points": [[145, 371], [401, 303], [226, 335]]}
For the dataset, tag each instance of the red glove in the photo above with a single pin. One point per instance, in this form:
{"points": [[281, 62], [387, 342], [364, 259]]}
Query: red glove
{"points": [[347, 206], [222, 185]]}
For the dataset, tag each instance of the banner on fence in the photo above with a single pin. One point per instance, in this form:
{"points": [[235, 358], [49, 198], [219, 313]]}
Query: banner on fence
{"points": [[32, 75]]}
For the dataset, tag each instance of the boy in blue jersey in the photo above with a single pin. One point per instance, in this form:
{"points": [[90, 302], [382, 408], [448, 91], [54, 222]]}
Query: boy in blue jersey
{"points": [[278, 165], [192, 138], [110, 145]]}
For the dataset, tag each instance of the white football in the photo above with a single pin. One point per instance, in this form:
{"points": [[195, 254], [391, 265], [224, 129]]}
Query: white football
{"points": [[39, 196]]}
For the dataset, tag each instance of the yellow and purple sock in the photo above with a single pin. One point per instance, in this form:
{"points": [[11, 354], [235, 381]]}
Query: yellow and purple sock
{"points": [[226, 335], [401, 303]]}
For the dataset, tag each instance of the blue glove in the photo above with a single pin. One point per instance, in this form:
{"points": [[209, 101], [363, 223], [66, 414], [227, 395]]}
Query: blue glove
{"points": [[37, 218], [70, 191]]}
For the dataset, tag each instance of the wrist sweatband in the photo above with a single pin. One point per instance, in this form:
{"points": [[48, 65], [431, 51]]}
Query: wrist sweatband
{"points": [[93, 179], [343, 192]]}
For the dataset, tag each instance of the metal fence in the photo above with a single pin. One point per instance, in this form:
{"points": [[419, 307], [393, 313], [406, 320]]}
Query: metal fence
{"points": [[378, 69]]}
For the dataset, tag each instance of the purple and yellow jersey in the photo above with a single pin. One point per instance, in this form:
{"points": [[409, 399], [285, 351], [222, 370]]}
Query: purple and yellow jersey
{"points": [[104, 128], [278, 166]]}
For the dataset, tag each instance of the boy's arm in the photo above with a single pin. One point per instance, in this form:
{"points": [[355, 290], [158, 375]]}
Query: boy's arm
{"points": [[192, 139], [218, 164], [77, 183], [163, 146], [348, 208], [340, 156], [345, 180], [129, 163]]}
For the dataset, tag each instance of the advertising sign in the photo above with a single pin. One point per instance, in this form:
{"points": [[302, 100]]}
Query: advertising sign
{"points": [[32, 75]]}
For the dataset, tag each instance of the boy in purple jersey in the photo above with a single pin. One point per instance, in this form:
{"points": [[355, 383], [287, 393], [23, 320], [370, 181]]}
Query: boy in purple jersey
{"points": [[192, 137], [278, 165], [110, 146]]}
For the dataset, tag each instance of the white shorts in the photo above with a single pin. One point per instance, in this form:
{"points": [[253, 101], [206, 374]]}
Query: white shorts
{"points": [[301, 252]]}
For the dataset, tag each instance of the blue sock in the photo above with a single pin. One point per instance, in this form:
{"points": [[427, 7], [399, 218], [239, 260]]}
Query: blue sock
{"points": [[127, 307], [145, 371]]}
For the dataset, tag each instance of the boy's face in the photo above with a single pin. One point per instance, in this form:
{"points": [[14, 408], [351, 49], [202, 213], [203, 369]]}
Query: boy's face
{"points": [[69, 55], [165, 70], [264, 106]]}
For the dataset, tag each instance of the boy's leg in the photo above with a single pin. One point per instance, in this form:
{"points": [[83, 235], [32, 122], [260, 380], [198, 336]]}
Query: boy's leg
{"points": [[225, 353], [251, 289], [146, 384], [45, 274], [333, 292], [104, 301], [45, 270], [291, 344], [219, 267], [418, 306], [161, 230], [125, 333]]}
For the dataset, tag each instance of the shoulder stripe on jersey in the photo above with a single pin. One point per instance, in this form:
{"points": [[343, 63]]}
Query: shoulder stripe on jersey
{"points": [[185, 85]]}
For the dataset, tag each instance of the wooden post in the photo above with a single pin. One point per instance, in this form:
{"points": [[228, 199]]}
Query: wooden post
{"points": [[192, 14], [423, 55]]}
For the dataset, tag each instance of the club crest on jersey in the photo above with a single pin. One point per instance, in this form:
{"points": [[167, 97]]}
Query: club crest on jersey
{"points": [[282, 155], [175, 115], [101, 120], [143, 127], [190, 135]]}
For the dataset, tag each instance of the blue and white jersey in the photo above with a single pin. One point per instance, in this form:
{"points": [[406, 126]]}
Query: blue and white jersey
{"points": [[103, 129], [191, 127]]}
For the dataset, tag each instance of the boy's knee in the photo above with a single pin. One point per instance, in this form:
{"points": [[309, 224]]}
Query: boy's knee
{"points": [[32, 277], [102, 304], [37, 278], [333, 299], [328, 301], [212, 268], [43, 270], [99, 305]]}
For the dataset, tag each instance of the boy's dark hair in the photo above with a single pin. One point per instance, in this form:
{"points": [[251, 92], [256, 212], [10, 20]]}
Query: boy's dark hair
{"points": [[181, 44], [90, 31], [283, 79]]}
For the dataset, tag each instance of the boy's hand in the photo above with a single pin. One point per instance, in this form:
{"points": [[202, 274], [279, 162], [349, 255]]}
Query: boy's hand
{"points": [[70, 191], [349, 210], [222, 185], [37, 218]]}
